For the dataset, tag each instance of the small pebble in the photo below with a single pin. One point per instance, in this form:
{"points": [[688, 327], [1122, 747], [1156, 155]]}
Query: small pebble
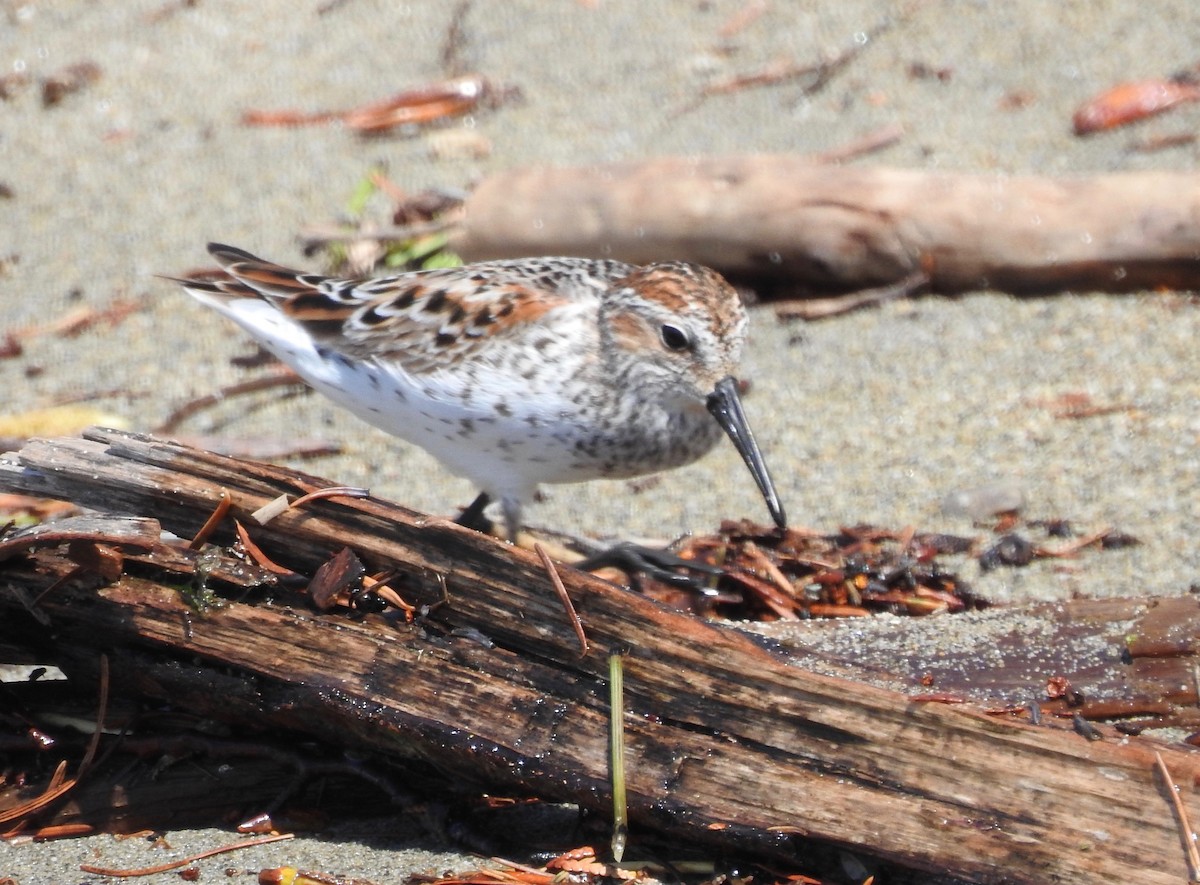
{"points": [[983, 501]]}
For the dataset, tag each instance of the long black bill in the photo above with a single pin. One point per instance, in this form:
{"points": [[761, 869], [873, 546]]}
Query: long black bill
{"points": [[726, 406]]}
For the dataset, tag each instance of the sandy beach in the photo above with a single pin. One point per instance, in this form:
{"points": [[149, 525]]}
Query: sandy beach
{"points": [[871, 417]]}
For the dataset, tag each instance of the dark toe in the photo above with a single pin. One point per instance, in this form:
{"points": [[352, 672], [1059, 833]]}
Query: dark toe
{"points": [[473, 517], [659, 564]]}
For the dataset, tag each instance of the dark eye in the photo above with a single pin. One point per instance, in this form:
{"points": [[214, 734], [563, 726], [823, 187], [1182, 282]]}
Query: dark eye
{"points": [[675, 338]]}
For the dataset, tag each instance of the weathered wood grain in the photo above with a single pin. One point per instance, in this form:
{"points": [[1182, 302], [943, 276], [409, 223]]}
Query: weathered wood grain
{"points": [[721, 730]]}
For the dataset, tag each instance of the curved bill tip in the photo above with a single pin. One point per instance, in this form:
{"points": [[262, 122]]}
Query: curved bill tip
{"points": [[726, 406]]}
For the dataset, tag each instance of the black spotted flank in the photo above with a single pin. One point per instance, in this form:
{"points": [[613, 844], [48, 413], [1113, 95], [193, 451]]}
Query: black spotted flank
{"points": [[445, 339], [483, 318], [435, 301]]}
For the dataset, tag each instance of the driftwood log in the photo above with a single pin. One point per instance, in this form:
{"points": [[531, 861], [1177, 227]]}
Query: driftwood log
{"points": [[789, 221], [727, 739]]}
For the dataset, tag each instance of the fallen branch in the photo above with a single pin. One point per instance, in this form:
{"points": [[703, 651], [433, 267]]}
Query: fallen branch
{"points": [[789, 222], [184, 861], [712, 716]]}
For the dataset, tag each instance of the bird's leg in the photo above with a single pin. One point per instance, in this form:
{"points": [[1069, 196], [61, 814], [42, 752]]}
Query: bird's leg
{"points": [[473, 518], [660, 564], [511, 507]]}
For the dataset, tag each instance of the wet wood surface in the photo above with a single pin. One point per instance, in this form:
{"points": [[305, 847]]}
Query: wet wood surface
{"points": [[813, 226], [490, 683], [1134, 659]]}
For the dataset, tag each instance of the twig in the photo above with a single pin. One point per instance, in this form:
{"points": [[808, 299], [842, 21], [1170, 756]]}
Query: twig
{"points": [[517, 865], [783, 70], [282, 378], [548, 565], [456, 39], [1162, 142], [1185, 825], [772, 74], [183, 862], [331, 492], [214, 520], [57, 787], [824, 308], [265, 448], [884, 136], [1069, 550], [764, 562], [79, 320], [255, 553], [101, 711]]}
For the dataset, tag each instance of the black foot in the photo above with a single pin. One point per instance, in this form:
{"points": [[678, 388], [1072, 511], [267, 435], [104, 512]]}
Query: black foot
{"points": [[661, 565], [473, 518]]}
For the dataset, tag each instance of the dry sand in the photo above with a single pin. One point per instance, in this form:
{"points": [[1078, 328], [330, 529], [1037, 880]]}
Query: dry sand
{"points": [[870, 417]]}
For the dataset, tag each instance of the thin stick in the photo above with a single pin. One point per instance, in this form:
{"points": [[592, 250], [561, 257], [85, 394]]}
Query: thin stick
{"points": [[1075, 546], [524, 868], [183, 862], [57, 787], [101, 711], [37, 600], [456, 38], [261, 559], [214, 519], [284, 378], [822, 308], [1185, 825], [883, 137], [783, 70], [332, 492], [616, 705], [764, 562], [548, 565]]}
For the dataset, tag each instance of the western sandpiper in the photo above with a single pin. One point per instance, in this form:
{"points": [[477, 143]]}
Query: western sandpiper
{"points": [[514, 373]]}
